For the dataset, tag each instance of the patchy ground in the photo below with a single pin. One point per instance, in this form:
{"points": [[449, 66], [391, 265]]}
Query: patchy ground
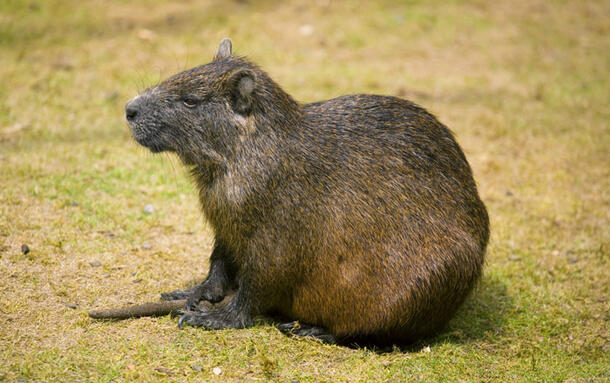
{"points": [[523, 84]]}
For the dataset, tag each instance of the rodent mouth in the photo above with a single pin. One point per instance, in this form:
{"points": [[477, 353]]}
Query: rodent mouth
{"points": [[145, 139]]}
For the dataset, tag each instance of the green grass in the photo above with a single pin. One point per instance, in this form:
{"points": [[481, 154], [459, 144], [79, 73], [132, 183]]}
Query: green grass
{"points": [[523, 84]]}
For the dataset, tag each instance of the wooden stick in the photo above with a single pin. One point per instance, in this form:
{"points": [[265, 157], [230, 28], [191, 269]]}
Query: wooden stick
{"points": [[144, 310], [152, 309]]}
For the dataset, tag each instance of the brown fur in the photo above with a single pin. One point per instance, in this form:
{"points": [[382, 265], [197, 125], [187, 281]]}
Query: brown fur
{"points": [[358, 214]]}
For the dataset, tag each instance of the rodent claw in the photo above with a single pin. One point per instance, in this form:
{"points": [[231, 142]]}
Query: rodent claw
{"points": [[181, 320]]}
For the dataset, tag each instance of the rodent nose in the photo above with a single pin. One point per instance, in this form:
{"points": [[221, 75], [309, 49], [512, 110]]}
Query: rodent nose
{"points": [[131, 113], [131, 110]]}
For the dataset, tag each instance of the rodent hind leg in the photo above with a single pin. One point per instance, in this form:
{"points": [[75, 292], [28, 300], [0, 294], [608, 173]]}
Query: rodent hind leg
{"points": [[302, 329]]}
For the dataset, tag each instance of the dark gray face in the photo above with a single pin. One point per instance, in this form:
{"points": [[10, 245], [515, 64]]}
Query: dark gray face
{"points": [[195, 113], [152, 118], [184, 108]]}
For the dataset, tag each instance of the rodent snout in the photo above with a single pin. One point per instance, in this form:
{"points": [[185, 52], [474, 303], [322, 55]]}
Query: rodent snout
{"points": [[132, 108]]}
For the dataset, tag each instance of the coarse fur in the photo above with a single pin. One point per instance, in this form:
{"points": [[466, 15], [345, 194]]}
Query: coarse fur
{"points": [[357, 216]]}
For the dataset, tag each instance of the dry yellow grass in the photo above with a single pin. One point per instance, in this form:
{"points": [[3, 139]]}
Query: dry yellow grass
{"points": [[523, 84]]}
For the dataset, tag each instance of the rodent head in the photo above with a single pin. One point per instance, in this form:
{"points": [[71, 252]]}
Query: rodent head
{"points": [[199, 113]]}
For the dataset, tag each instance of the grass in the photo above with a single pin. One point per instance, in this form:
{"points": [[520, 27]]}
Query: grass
{"points": [[523, 84]]}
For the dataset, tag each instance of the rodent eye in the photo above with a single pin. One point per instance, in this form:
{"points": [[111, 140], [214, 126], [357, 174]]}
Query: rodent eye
{"points": [[190, 101]]}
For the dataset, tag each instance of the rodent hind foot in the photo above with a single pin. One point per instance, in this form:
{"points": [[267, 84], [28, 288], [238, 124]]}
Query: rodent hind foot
{"points": [[296, 328]]}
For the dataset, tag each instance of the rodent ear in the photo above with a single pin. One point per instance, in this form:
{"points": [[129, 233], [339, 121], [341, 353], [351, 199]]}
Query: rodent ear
{"points": [[241, 86], [224, 49]]}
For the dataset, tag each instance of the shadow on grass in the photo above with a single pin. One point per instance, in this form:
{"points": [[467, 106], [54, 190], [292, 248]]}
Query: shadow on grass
{"points": [[482, 315]]}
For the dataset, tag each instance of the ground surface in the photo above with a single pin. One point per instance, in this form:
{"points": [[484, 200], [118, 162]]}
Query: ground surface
{"points": [[523, 84]]}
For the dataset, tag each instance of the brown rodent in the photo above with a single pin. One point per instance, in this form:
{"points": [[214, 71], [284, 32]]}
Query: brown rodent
{"points": [[358, 216]]}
